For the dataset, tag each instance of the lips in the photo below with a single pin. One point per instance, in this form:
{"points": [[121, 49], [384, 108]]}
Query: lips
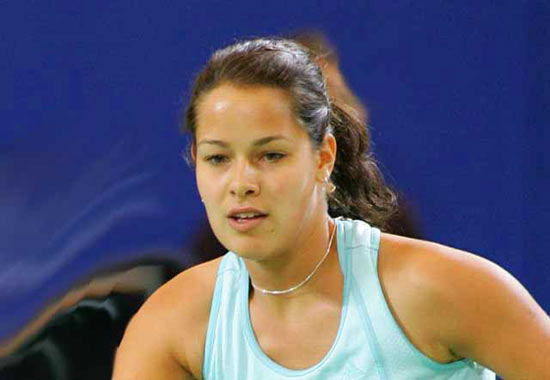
{"points": [[246, 218]]}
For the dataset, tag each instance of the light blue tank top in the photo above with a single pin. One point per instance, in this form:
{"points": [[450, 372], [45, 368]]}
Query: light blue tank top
{"points": [[369, 343]]}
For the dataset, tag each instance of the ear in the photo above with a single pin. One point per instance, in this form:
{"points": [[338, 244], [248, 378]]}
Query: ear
{"points": [[327, 157]]}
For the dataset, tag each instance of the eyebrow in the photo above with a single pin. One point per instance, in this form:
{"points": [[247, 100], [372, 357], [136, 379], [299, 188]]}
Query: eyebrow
{"points": [[259, 142]]}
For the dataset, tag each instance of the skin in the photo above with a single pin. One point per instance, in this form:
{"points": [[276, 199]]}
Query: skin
{"points": [[450, 304]]}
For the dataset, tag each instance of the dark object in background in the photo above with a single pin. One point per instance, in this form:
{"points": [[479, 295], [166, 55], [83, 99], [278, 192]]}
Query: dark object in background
{"points": [[80, 342], [404, 222], [206, 245]]}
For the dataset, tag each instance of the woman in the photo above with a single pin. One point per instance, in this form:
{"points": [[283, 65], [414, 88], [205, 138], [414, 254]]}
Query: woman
{"points": [[304, 293]]}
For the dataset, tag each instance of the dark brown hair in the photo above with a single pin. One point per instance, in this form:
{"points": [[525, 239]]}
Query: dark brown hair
{"points": [[360, 189]]}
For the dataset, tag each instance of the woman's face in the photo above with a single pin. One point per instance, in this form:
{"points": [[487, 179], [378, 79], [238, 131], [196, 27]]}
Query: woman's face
{"points": [[259, 176]]}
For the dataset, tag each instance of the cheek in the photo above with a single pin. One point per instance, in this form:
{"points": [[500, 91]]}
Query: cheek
{"points": [[207, 185], [208, 191], [295, 185], [199, 177]]}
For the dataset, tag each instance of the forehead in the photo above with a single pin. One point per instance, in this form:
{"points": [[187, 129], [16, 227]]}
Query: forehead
{"points": [[244, 112]]}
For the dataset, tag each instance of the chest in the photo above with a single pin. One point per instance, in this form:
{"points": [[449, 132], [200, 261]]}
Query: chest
{"points": [[297, 340]]}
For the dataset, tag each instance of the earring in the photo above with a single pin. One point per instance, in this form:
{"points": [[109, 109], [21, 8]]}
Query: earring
{"points": [[330, 186]]}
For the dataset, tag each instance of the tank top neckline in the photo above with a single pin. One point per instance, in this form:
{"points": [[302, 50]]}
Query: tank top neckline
{"points": [[247, 323]]}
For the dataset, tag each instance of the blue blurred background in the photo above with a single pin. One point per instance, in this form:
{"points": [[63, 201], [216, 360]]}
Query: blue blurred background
{"points": [[91, 173]]}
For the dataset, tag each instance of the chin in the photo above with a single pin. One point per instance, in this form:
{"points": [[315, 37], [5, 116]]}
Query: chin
{"points": [[252, 246], [249, 250]]}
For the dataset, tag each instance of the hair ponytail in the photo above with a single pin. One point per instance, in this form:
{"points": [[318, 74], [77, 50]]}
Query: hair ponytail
{"points": [[361, 192]]}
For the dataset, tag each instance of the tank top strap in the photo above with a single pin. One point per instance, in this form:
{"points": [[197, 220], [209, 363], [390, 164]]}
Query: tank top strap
{"points": [[393, 349]]}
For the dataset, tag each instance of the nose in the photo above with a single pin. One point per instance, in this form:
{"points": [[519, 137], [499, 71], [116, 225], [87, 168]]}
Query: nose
{"points": [[245, 181]]}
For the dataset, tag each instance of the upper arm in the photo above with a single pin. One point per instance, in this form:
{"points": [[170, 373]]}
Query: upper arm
{"points": [[146, 350], [165, 339], [491, 318]]}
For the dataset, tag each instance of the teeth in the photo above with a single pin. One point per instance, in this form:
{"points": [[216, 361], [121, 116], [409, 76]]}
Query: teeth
{"points": [[246, 215]]}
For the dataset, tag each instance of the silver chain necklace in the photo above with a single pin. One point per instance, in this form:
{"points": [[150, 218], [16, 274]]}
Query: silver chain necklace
{"points": [[279, 292]]}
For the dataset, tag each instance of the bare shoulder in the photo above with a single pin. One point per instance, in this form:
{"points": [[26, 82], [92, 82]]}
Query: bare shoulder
{"points": [[187, 295], [455, 304], [435, 267], [409, 272], [165, 338]]}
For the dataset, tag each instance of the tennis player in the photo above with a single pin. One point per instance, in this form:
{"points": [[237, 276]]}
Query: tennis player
{"points": [[311, 287]]}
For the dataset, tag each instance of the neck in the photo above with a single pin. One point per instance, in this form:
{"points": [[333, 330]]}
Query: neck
{"points": [[305, 269]]}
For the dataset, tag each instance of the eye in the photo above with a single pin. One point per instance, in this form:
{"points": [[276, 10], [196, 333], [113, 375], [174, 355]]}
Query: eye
{"points": [[216, 159], [273, 156]]}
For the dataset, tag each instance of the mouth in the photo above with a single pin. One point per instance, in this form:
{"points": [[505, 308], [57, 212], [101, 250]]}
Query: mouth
{"points": [[246, 216], [246, 220]]}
